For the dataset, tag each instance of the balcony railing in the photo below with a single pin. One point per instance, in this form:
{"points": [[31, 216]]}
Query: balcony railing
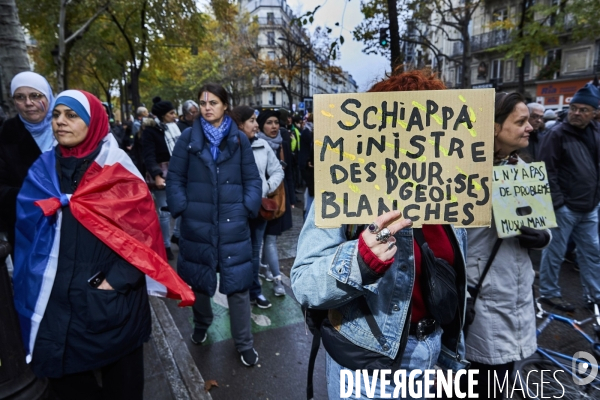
{"points": [[489, 39], [272, 21]]}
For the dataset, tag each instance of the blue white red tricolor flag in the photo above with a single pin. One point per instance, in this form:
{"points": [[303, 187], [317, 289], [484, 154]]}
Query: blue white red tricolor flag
{"points": [[113, 202]]}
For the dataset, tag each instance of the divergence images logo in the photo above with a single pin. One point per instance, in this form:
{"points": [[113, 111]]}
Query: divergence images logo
{"points": [[584, 364]]}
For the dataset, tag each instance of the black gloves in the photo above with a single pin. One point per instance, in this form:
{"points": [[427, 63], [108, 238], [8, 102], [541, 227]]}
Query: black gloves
{"points": [[533, 238], [470, 311]]}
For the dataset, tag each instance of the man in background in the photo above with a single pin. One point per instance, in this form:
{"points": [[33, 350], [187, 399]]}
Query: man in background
{"points": [[571, 151]]}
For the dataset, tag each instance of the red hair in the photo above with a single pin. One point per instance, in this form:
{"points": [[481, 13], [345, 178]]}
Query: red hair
{"points": [[405, 81]]}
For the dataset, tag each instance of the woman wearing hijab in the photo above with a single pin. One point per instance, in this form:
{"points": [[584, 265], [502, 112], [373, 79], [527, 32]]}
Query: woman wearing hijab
{"points": [[268, 123], [86, 236], [213, 184], [271, 174], [22, 140], [158, 142]]}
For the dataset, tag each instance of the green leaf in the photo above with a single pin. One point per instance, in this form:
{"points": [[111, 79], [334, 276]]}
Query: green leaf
{"points": [[311, 19], [341, 39]]}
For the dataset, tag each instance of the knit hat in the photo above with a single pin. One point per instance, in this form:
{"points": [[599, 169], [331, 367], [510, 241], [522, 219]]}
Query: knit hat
{"points": [[588, 95], [549, 115], [160, 107], [264, 116]]}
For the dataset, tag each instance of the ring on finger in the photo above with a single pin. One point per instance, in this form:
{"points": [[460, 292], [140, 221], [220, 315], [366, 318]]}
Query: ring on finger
{"points": [[391, 244], [383, 235], [374, 228]]}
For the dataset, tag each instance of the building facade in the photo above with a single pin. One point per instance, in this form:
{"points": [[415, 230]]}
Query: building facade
{"points": [[277, 32], [551, 79]]}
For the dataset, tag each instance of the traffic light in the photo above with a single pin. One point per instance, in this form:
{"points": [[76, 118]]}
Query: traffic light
{"points": [[383, 37]]}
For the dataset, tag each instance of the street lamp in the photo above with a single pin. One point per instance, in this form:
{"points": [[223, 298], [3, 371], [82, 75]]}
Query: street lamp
{"points": [[302, 47]]}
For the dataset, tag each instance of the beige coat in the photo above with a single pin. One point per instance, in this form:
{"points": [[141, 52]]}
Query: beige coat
{"points": [[504, 325]]}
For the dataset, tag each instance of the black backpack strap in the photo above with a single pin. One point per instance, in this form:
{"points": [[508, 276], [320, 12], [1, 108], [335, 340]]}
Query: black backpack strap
{"points": [[366, 310], [419, 237], [474, 291], [314, 349]]}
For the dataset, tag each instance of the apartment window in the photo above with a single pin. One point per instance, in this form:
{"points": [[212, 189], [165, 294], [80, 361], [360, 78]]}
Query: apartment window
{"points": [[270, 18], [458, 76], [553, 55], [271, 38], [272, 100], [526, 65], [500, 15], [577, 60], [497, 69], [554, 16], [509, 71]]}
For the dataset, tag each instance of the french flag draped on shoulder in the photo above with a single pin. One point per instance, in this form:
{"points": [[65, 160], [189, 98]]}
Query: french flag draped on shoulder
{"points": [[113, 202]]}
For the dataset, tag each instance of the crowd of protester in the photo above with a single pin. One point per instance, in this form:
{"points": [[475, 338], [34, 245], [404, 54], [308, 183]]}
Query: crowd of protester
{"points": [[202, 180]]}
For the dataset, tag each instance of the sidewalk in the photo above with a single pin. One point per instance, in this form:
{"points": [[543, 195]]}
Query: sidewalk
{"points": [[176, 369], [170, 371]]}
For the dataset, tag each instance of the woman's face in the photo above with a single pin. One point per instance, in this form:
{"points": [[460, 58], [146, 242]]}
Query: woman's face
{"points": [[514, 132], [250, 127], [69, 129], [211, 108], [271, 127], [169, 117], [31, 104]]}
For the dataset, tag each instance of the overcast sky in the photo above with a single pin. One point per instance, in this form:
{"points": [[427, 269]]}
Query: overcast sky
{"points": [[365, 69]]}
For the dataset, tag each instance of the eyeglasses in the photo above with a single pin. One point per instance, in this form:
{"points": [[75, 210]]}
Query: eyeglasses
{"points": [[582, 110], [22, 98]]}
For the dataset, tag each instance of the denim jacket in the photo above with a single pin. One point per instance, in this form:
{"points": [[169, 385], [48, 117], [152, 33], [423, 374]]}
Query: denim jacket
{"points": [[326, 275]]}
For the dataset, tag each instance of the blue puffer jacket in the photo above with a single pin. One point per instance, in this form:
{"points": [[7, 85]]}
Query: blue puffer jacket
{"points": [[215, 200]]}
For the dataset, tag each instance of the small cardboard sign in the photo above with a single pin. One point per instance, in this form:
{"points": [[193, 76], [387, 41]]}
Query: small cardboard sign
{"points": [[428, 154], [521, 196]]}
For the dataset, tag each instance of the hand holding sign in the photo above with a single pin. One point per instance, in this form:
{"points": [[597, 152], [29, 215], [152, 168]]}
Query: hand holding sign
{"points": [[532, 238]]}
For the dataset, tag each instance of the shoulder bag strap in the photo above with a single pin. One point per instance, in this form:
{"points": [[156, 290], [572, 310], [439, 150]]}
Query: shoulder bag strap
{"points": [[419, 237], [366, 310], [314, 349], [474, 291]]}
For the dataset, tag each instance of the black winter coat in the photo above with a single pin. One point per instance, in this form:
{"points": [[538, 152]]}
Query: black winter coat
{"points": [[85, 328], [183, 125], [155, 150], [18, 151], [573, 173], [215, 200]]}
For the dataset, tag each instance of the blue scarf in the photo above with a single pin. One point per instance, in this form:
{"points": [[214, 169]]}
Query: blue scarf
{"points": [[215, 135], [42, 131]]}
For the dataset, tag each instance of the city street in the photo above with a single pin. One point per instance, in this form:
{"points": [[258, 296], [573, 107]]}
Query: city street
{"points": [[283, 342]]}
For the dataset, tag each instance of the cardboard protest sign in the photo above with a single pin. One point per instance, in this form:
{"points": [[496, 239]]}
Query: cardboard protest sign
{"points": [[428, 154], [521, 196]]}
